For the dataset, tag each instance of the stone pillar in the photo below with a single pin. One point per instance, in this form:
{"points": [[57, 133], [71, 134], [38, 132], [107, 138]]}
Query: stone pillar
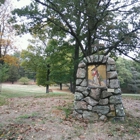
{"points": [[98, 103]]}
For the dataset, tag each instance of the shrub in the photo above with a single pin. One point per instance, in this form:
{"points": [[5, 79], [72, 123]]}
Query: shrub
{"points": [[24, 80]]}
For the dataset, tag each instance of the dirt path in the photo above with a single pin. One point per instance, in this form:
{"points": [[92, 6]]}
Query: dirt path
{"points": [[40, 118]]}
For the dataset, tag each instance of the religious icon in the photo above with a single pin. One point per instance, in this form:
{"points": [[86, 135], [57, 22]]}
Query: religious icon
{"points": [[97, 75]]}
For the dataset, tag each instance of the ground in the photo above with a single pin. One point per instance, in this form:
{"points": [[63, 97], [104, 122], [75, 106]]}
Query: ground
{"points": [[48, 117]]}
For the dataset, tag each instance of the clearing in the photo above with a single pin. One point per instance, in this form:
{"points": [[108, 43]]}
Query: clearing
{"points": [[28, 113]]}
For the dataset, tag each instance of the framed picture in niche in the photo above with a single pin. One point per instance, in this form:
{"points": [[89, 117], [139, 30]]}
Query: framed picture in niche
{"points": [[97, 75]]}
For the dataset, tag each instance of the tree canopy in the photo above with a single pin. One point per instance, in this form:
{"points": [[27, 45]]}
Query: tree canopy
{"points": [[101, 26]]}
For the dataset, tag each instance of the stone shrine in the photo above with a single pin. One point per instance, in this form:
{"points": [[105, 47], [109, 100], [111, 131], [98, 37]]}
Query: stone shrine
{"points": [[98, 95]]}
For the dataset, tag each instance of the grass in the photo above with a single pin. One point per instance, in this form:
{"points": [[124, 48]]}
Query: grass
{"points": [[2, 100], [131, 126], [132, 96], [11, 91], [27, 116], [67, 109]]}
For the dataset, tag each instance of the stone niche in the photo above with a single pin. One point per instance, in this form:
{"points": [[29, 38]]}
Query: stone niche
{"points": [[100, 101]]}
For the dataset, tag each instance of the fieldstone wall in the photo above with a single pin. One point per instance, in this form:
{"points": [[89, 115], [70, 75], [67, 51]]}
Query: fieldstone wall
{"points": [[98, 103]]}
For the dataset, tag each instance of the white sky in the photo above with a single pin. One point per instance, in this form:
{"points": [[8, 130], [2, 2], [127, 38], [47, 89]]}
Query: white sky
{"points": [[21, 41]]}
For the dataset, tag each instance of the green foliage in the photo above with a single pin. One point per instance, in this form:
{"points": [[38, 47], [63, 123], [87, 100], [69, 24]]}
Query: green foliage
{"points": [[2, 100], [13, 73], [99, 21], [52, 62], [128, 74], [24, 80], [124, 70], [4, 72]]}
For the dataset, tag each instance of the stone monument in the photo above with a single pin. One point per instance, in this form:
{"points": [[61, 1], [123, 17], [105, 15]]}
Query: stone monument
{"points": [[98, 93]]}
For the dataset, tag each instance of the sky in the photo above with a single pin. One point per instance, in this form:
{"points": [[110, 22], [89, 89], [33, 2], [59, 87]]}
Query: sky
{"points": [[22, 41]]}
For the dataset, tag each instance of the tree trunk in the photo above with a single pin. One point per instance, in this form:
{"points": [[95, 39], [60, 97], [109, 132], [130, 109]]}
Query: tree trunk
{"points": [[76, 61], [47, 78], [47, 88], [60, 86]]}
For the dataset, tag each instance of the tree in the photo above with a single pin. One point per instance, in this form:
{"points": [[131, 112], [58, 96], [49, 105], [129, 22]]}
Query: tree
{"points": [[13, 74], [124, 71], [90, 22], [96, 26], [6, 30], [3, 72], [61, 61], [51, 63], [134, 83]]}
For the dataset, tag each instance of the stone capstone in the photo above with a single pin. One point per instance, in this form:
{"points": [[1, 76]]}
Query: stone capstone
{"points": [[104, 59], [90, 101], [101, 109]]}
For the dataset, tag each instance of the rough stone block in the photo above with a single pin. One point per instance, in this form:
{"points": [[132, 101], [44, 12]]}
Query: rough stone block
{"points": [[81, 73], [89, 107], [77, 115], [95, 93], [108, 68], [101, 109], [80, 88], [120, 110], [85, 93], [104, 59], [105, 94], [118, 119], [90, 115], [90, 101], [80, 105], [112, 67], [103, 118], [111, 114], [117, 91], [78, 81], [112, 108], [84, 83], [81, 65], [114, 83], [116, 99], [111, 75], [78, 96], [96, 58], [110, 61], [100, 58], [103, 101]]}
